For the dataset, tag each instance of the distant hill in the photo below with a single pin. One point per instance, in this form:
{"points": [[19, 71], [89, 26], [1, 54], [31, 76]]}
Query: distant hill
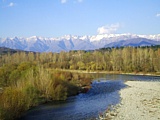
{"points": [[5, 50], [133, 42]]}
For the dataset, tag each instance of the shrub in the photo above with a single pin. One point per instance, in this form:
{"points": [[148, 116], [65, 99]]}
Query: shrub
{"points": [[13, 103]]}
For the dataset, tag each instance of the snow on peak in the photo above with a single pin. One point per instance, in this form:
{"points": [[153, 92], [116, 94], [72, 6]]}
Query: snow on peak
{"points": [[32, 38], [92, 38], [153, 37], [112, 36], [85, 37]]}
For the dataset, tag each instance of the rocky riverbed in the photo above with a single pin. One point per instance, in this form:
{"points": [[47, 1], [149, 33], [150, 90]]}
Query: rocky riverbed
{"points": [[139, 101]]}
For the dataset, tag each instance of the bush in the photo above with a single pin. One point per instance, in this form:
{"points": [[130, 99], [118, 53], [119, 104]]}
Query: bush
{"points": [[13, 103], [33, 95], [60, 93]]}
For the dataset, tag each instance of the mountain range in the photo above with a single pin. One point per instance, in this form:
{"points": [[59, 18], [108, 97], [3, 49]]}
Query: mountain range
{"points": [[135, 42], [71, 42]]}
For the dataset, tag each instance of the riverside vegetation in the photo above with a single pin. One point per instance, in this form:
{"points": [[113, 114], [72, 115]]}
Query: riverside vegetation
{"points": [[28, 79]]}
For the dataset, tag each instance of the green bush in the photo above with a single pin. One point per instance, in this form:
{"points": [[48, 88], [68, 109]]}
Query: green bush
{"points": [[33, 94], [13, 103]]}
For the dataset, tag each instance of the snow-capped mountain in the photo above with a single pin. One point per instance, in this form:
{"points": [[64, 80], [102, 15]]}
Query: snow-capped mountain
{"points": [[70, 42]]}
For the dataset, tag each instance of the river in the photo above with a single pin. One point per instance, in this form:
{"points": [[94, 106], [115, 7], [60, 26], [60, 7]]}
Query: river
{"points": [[103, 93]]}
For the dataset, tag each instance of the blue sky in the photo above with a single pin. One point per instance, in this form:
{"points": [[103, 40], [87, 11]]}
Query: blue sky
{"points": [[54, 18]]}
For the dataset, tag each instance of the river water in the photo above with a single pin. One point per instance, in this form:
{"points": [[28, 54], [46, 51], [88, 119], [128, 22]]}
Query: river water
{"points": [[103, 93]]}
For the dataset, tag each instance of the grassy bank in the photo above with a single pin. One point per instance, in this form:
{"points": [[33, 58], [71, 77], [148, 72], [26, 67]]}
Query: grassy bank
{"points": [[113, 72]]}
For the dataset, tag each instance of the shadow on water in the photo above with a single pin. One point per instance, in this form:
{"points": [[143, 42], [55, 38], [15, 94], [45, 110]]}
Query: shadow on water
{"points": [[80, 107]]}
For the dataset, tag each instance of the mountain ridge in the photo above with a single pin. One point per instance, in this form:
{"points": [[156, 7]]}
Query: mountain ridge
{"points": [[73, 42], [135, 42]]}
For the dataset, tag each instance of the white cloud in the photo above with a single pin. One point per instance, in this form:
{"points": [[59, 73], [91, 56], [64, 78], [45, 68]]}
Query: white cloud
{"points": [[158, 15], [108, 29], [63, 1], [11, 4]]}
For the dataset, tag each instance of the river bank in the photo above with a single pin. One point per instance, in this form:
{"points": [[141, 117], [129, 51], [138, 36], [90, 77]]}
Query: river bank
{"points": [[139, 101], [114, 72]]}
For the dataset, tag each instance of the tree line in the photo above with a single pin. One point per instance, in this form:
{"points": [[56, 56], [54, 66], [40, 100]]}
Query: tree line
{"points": [[127, 59]]}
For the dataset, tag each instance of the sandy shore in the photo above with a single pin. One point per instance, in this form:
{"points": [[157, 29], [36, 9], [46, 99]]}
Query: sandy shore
{"points": [[140, 101]]}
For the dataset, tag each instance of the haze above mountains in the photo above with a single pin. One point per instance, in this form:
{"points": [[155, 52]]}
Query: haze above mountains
{"points": [[70, 42]]}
